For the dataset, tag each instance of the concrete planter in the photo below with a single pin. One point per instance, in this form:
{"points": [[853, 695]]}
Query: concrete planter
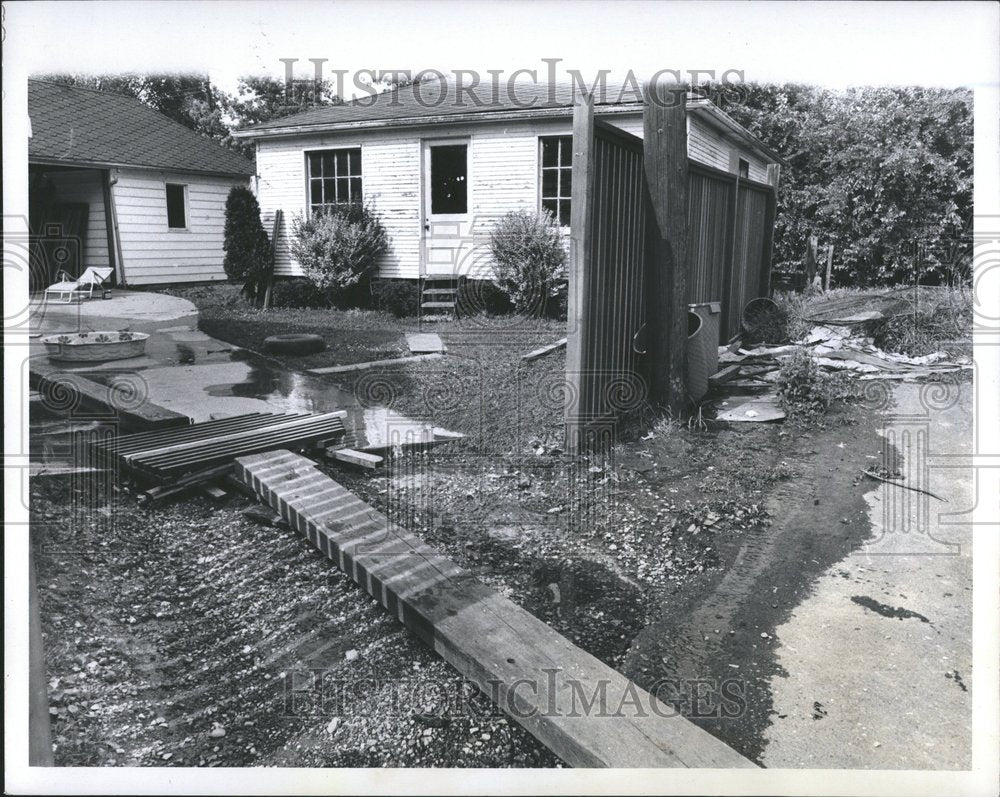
{"points": [[95, 346]]}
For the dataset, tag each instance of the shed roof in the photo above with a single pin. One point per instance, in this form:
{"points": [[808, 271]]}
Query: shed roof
{"points": [[81, 126], [444, 101]]}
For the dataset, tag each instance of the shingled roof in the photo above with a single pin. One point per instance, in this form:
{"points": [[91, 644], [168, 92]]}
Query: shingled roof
{"points": [[84, 127], [444, 98]]}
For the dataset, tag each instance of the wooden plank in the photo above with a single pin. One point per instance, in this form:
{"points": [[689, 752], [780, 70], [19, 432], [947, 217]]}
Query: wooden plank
{"points": [[581, 235], [343, 369], [666, 170], [186, 482], [726, 374], [351, 457], [536, 353], [79, 391], [531, 671]]}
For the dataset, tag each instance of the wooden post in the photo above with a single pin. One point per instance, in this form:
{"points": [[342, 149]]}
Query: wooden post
{"points": [[810, 264], [578, 293], [109, 225], [773, 176], [829, 267], [666, 169]]}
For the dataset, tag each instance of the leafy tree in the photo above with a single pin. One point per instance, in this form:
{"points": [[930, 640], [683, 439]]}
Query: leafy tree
{"points": [[248, 250], [883, 173], [260, 99]]}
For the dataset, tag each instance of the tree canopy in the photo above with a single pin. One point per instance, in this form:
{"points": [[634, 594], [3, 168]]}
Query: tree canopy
{"points": [[882, 173]]}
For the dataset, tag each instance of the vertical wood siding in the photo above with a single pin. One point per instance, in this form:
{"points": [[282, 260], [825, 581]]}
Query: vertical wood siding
{"points": [[152, 252], [705, 145], [85, 186]]}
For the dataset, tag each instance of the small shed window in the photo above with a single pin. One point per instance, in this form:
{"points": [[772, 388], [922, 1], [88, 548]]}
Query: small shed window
{"points": [[744, 168], [557, 176], [334, 178], [176, 206]]}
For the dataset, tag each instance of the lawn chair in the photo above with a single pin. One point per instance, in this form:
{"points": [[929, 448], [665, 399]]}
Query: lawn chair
{"points": [[71, 289]]}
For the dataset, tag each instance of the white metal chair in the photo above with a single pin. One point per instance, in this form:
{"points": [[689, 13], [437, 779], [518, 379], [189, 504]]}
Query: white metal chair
{"points": [[69, 289]]}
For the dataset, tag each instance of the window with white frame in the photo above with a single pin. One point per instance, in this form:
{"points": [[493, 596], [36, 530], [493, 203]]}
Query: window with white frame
{"points": [[557, 176], [334, 178]]}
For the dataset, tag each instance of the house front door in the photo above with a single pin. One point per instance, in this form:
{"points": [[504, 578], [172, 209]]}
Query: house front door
{"points": [[447, 224]]}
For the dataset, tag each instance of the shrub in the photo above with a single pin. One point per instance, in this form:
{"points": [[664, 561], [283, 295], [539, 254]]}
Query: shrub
{"points": [[248, 250], [399, 297], [482, 296], [528, 258], [805, 391], [297, 293], [338, 248]]}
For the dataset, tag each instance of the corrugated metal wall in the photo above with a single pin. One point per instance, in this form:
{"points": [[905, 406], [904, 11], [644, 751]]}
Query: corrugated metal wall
{"points": [[709, 198], [727, 242], [607, 300], [748, 249]]}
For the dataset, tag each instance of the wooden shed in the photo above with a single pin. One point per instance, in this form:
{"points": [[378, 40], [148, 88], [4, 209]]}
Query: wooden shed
{"points": [[441, 164], [114, 183]]}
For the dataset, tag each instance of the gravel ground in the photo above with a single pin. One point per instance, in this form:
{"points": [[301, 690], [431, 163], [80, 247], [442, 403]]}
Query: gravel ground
{"points": [[188, 634]]}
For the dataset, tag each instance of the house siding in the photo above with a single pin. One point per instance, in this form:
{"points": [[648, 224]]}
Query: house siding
{"points": [[85, 186], [503, 176], [707, 146], [152, 252]]}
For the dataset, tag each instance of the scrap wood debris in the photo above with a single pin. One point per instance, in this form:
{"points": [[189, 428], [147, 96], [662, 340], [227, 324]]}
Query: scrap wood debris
{"points": [[875, 305], [836, 348]]}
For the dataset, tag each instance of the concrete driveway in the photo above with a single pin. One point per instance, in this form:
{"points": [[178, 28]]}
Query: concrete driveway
{"points": [[878, 660]]}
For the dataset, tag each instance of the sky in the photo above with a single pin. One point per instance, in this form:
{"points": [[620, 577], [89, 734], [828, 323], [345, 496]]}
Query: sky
{"points": [[833, 44]]}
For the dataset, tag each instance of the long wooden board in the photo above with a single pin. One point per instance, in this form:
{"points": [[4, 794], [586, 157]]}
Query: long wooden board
{"points": [[532, 672], [47, 378]]}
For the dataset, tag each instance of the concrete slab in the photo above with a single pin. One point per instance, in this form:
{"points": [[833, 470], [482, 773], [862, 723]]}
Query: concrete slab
{"points": [[190, 373], [125, 308], [425, 343]]}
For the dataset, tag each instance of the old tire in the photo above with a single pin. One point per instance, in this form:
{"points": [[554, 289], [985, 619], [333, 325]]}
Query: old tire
{"points": [[296, 343]]}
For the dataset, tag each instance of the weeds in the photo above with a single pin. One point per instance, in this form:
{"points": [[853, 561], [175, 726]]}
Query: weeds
{"points": [[806, 392]]}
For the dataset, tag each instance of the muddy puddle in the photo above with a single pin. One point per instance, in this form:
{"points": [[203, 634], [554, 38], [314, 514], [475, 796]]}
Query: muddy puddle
{"points": [[719, 630]]}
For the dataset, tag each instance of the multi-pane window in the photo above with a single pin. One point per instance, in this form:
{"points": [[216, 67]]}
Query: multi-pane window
{"points": [[557, 176], [176, 207], [334, 178]]}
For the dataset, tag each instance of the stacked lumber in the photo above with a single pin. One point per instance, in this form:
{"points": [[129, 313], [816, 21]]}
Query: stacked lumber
{"points": [[173, 457]]}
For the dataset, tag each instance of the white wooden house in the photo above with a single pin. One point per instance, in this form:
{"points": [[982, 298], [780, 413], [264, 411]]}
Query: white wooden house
{"points": [[114, 183], [440, 166]]}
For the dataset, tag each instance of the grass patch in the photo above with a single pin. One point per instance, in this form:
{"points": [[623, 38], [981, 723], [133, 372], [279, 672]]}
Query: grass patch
{"points": [[352, 336], [481, 388]]}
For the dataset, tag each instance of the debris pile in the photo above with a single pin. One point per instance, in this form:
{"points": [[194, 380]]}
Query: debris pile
{"points": [[748, 376], [836, 348]]}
